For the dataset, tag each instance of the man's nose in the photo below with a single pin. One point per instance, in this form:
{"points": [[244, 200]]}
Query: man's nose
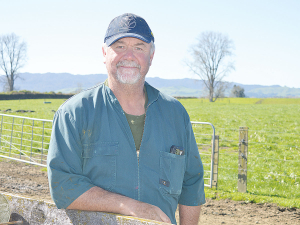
{"points": [[129, 54]]}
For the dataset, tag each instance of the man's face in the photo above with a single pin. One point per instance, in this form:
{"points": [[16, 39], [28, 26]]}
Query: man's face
{"points": [[128, 59]]}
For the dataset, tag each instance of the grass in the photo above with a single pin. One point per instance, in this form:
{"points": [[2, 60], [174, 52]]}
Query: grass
{"points": [[273, 151], [33, 143], [42, 111]]}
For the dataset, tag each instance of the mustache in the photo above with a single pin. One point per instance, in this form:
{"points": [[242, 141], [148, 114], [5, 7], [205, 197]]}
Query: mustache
{"points": [[128, 63]]}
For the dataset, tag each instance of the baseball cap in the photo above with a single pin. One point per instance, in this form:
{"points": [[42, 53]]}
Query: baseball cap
{"points": [[128, 25]]}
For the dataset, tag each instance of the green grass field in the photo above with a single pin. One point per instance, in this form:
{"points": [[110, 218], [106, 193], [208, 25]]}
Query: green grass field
{"points": [[273, 151], [42, 111], [31, 144]]}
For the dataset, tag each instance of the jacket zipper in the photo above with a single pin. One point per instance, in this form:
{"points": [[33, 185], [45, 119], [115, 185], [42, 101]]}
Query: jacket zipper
{"points": [[138, 153]]}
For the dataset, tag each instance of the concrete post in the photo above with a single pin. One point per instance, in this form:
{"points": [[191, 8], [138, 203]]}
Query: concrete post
{"points": [[35, 212]]}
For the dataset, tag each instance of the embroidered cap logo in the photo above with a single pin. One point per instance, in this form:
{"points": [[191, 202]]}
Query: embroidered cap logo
{"points": [[127, 23]]}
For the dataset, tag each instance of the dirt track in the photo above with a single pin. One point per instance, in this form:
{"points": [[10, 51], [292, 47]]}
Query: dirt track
{"points": [[30, 181]]}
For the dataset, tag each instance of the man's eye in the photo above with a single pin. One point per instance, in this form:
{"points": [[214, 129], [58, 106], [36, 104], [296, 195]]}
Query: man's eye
{"points": [[120, 47], [138, 49]]}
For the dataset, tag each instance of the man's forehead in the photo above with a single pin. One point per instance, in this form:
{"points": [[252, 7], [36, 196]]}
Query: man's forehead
{"points": [[132, 40]]}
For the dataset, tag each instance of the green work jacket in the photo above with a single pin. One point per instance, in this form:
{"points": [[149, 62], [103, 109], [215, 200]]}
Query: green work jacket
{"points": [[92, 145]]}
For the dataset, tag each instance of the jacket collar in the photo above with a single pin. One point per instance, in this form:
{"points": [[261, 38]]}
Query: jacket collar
{"points": [[152, 93]]}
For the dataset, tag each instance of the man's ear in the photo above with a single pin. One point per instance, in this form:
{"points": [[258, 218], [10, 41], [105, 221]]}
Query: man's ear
{"points": [[151, 57], [104, 48]]}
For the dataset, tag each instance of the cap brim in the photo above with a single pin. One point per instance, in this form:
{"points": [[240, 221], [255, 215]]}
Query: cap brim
{"points": [[113, 39]]}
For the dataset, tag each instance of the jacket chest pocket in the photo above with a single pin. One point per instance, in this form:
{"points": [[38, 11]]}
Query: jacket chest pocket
{"points": [[172, 168], [100, 163]]}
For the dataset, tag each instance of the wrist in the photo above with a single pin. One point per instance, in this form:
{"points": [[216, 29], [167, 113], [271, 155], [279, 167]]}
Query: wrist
{"points": [[127, 206]]}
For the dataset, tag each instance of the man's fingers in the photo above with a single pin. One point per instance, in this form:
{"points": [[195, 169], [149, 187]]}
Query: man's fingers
{"points": [[165, 218], [155, 213], [147, 211]]}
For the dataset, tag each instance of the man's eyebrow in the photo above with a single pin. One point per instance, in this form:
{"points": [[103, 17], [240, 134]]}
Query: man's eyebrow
{"points": [[137, 44], [119, 41], [140, 43]]}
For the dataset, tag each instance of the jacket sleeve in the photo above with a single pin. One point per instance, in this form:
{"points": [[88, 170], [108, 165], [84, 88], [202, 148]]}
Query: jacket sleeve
{"points": [[193, 184], [64, 161]]}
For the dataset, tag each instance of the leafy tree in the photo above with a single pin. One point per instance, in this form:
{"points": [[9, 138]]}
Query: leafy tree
{"points": [[238, 91], [211, 61]]}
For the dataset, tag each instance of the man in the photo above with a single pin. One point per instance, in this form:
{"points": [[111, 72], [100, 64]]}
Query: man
{"points": [[124, 147]]}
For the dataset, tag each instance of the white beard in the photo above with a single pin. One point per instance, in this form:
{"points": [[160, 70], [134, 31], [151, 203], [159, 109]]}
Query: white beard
{"points": [[128, 76]]}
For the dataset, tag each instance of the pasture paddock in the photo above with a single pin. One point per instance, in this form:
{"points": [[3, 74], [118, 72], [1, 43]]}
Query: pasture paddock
{"points": [[273, 151]]}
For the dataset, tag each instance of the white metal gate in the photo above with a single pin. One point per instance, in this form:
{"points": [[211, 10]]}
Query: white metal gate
{"points": [[27, 139], [205, 138]]}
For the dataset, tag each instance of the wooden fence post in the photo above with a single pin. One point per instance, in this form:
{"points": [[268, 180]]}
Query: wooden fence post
{"points": [[216, 162], [243, 155]]}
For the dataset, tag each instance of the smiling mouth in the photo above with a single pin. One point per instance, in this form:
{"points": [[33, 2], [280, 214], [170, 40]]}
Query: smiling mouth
{"points": [[128, 65]]}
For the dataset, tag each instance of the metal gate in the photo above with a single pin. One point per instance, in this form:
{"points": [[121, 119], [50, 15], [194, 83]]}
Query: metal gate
{"points": [[206, 140], [25, 139]]}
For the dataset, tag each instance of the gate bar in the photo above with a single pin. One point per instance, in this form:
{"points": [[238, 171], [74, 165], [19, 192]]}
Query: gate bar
{"points": [[212, 151]]}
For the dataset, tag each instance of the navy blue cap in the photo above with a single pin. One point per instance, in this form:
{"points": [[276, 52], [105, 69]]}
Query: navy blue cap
{"points": [[128, 25]]}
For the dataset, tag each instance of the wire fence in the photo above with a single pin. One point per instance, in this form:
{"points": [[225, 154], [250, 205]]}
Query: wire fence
{"points": [[273, 160], [25, 139]]}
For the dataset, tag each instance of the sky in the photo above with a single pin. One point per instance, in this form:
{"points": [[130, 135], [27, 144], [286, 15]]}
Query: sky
{"points": [[66, 36]]}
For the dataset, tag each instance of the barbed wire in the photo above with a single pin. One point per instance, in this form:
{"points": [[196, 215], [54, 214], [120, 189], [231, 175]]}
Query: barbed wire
{"points": [[260, 172]]}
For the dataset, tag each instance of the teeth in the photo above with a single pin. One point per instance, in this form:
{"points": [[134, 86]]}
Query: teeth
{"points": [[128, 63]]}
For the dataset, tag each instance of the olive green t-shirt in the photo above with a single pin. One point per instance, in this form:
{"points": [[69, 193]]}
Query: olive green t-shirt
{"points": [[136, 123]]}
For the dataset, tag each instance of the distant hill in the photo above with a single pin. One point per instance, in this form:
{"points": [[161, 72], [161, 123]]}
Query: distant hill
{"points": [[67, 83], [56, 82], [260, 91]]}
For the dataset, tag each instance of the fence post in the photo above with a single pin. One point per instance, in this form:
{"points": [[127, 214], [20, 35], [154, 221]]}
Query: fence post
{"points": [[1, 130], [243, 155], [216, 162]]}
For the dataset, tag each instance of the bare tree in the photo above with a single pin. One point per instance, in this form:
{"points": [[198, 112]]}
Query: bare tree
{"points": [[211, 61], [12, 57]]}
